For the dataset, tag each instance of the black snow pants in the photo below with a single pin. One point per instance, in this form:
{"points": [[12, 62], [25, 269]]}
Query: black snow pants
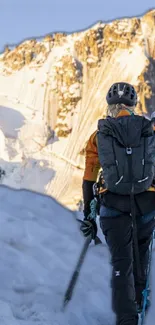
{"points": [[126, 288]]}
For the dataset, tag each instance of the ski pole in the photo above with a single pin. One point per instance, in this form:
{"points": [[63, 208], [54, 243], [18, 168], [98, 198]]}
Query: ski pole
{"points": [[75, 275]]}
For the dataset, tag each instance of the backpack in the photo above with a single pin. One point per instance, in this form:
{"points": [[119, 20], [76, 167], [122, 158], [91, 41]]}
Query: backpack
{"points": [[126, 149]]}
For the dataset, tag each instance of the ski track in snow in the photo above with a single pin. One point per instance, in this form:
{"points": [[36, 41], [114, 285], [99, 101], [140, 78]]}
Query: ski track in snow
{"points": [[40, 243]]}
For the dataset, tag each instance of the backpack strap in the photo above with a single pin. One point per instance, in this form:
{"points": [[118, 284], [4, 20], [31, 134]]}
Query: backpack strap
{"points": [[114, 152], [133, 213]]}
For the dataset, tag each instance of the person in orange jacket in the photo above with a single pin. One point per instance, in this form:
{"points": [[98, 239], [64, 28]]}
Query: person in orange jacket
{"points": [[115, 205]]}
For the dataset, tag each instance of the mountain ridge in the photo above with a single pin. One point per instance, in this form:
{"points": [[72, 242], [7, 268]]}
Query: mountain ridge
{"points": [[61, 82]]}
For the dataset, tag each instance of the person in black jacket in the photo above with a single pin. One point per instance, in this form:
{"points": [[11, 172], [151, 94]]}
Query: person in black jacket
{"points": [[116, 220]]}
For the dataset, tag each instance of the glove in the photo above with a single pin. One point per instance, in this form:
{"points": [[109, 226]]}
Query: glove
{"points": [[89, 227]]}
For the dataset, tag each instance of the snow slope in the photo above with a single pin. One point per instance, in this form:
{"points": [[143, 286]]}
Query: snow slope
{"points": [[39, 246], [28, 158]]}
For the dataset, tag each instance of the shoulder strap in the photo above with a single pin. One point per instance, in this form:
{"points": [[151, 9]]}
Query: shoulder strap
{"points": [[133, 213]]}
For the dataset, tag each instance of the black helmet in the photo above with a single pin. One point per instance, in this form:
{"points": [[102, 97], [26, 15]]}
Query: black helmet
{"points": [[122, 93]]}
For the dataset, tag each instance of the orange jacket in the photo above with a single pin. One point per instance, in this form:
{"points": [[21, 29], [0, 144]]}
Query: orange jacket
{"points": [[92, 164]]}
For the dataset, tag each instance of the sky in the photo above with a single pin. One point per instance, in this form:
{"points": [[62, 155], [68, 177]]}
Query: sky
{"points": [[22, 19]]}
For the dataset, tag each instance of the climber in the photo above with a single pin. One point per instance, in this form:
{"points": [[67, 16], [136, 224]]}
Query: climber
{"points": [[123, 147]]}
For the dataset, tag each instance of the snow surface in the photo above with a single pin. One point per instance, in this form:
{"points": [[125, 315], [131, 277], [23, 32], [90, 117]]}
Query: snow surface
{"points": [[30, 162], [40, 243]]}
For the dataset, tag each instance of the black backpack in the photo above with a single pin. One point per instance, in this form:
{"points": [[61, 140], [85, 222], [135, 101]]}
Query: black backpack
{"points": [[126, 149]]}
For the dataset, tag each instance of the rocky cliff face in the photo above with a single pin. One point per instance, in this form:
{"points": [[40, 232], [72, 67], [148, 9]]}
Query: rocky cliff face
{"points": [[64, 78]]}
